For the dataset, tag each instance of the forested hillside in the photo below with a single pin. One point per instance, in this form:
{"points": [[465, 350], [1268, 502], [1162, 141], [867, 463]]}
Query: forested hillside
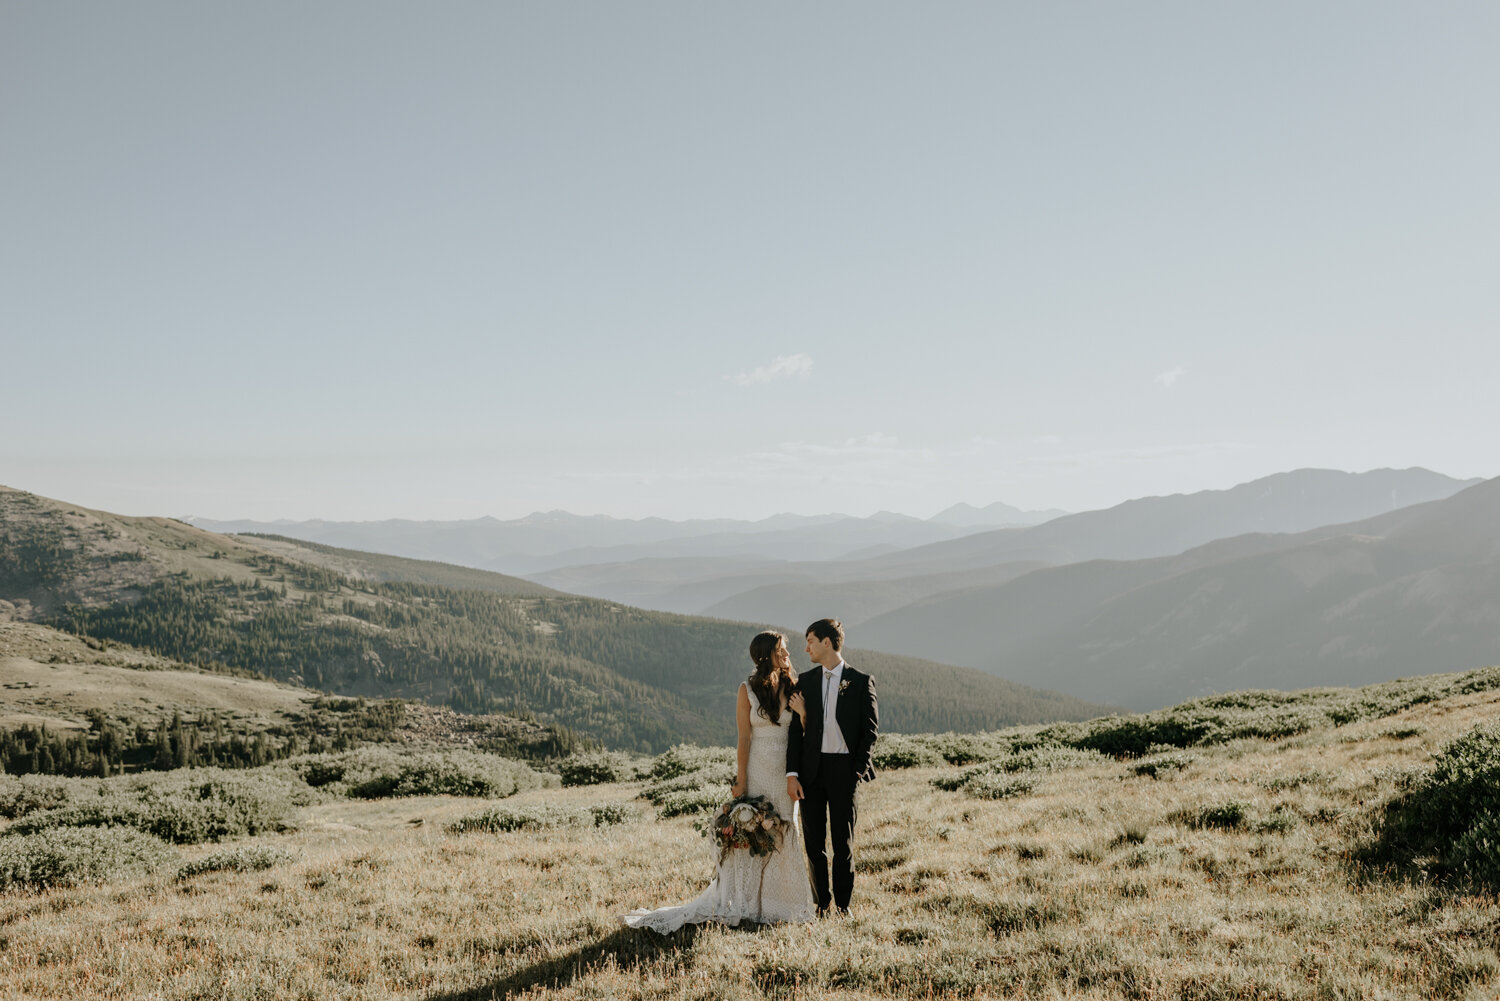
{"points": [[634, 679]]}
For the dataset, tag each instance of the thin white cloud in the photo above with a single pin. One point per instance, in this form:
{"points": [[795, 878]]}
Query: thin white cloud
{"points": [[797, 366], [1169, 378]]}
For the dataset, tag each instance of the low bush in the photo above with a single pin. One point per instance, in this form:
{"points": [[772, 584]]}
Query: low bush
{"points": [[1476, 855], [996, 785], [23, 794], [1048, 758], [1266, 715], [596, 768], [1160, 764], [689, 779], [1231, 816], [1192, 724], [243, 858], [1008, 917], [717, 779], [609, 814], [1449, 819], [1403, 732], [499, 819], [1282, 783], [186, 806], [385, 772], [1013, 774], [899, 750], [969, 748], [1278, 821], [693, 801], [72, 856], [685, 758]]}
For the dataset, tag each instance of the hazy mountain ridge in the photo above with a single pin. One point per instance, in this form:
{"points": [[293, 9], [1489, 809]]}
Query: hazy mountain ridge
{"points": [[855, 602], [996, 515], [1294, 501], [1413, 589], [632, 678], [1138, 529], [548, 540]]}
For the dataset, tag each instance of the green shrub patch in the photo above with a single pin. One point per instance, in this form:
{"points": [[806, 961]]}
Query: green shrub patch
{"points": [[186, 806], [1448, 821], [500, 819], [899, 750], [67, 856], [23, 794], [689, 779], [386, 772], [595, 769], [242, 858]]}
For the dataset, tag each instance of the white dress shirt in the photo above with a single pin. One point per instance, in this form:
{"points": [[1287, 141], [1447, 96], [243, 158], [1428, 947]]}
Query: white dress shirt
{"points": [[833, 737]]}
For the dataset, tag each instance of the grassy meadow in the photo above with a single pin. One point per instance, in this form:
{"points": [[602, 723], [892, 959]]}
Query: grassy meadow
{"points": [[1254, 847]]}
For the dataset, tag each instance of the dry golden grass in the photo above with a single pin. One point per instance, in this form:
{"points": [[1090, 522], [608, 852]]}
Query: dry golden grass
{"points": [[54, 678], [1099, 884]]}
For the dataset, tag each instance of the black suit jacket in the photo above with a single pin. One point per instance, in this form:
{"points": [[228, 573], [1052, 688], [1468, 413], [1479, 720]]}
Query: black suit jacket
{"points": [[857, 716]]}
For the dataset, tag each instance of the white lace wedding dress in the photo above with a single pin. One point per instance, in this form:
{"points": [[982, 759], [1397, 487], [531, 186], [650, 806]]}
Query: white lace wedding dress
{"points": [[747, 888]]}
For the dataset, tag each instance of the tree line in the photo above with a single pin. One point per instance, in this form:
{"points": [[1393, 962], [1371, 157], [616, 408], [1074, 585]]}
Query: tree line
{"points": [[629, 678], [109, 748]]}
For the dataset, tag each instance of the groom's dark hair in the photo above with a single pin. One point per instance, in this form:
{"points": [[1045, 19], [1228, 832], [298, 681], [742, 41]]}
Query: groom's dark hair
{"points": [[831, 630]]}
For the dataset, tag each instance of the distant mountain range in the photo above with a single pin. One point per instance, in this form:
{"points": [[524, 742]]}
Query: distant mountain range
{"points": [[1411, 591], [860, 589], [1311, 577], [546, 541], [365, 624], [996, 515]]}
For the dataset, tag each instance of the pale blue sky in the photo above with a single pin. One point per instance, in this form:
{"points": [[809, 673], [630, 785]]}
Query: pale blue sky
{"points": [[365, 260]]}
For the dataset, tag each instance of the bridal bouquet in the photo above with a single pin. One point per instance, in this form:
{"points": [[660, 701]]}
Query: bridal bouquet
{"points": [[748, 822]]}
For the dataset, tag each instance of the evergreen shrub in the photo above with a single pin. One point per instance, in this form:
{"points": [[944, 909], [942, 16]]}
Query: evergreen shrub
{"points": [[1231, 816], [380, 772], [685, 758], [501, 819], [242, 858], [73, 856], [900, 750], [595, 768], [186, 806], [23, 794], [692, 801], [688, 779], [1449, 819]]}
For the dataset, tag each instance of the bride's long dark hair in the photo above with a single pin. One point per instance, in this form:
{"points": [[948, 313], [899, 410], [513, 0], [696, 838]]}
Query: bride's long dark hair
{"points": [[770, 683]]}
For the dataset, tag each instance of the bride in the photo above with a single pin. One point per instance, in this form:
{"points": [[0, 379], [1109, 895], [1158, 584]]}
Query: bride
{"points": [[774, 887]]}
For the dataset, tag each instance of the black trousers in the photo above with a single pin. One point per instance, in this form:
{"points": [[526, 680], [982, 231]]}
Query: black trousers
{"points": [[828, 807]]}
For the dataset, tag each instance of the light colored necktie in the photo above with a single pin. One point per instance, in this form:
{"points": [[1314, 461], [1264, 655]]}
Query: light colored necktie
{"points": [[827, 688]]}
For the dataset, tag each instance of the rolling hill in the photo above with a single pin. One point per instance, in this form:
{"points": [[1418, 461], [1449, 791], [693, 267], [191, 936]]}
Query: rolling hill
{"points": [[357, 624], [1138, 529], [1417, 588]]}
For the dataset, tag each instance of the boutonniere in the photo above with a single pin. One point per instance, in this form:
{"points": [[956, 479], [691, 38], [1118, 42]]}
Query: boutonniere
{"points": [[843, 687]]}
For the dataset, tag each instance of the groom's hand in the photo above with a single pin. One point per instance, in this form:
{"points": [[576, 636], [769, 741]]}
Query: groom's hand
{"points": [[793, 788]]}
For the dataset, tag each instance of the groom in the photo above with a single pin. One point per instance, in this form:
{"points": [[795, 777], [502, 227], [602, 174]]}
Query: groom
{"points": [[828, 758]]}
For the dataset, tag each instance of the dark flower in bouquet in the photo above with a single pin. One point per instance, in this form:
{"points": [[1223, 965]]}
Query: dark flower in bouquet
{"points": [[749, 822]]}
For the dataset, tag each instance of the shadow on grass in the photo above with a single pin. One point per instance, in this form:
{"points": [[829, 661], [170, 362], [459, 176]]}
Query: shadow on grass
{"points": [[630, 948]]}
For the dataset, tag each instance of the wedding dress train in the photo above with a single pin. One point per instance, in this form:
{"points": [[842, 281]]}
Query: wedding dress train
{"points": [[746, 888]]}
